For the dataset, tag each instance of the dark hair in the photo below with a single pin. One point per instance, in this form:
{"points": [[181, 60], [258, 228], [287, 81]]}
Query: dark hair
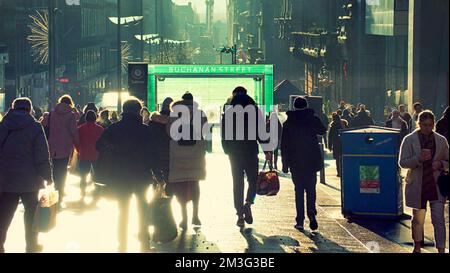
{"points": [[104, 114], [346, 112], [240, 90], [132, 105], [91, 116], [339, 112], [90, 106], [187, 96], [67, 99], [22, 104], [417, 104], [425, 115]]}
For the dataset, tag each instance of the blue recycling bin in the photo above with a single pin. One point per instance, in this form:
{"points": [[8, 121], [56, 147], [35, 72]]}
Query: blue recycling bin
{"points": [[370, 183]]}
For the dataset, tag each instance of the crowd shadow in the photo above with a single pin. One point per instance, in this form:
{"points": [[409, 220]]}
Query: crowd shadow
{"points": [[187, 242], [258, 243], [323, 244]]}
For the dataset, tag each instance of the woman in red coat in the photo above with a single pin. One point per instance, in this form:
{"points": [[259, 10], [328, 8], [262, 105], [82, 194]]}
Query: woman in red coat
{"points": [[88, 133]]}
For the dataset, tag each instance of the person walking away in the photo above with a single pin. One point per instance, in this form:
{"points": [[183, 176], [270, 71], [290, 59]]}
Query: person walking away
{"points": [[442, 124], [187, 164], [129, 146], [243, 153], [334, 140], [274, 159], [396, 122], [104, 120], [300, 153], [63, 135], [158, 127], [89, 107], [24, 167], [363, 118], [88, 133], [424, 154]]}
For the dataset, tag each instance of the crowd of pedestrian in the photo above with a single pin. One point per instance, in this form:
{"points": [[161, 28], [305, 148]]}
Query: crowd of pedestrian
{"points": [[130, 154]]}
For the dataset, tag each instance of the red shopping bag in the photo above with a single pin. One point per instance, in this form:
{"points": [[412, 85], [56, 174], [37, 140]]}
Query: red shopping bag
{"points": [[268, 182]]}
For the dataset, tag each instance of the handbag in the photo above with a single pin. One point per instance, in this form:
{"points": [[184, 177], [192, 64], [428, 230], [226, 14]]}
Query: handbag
{"points": [[45, 215], [443, 183], [160, 216], [268, 182]]}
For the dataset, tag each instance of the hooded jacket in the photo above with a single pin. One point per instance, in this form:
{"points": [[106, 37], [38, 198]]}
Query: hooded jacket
{"points": [[126, 154], [300, 148], [247, 146], [24, 156], [63, 130], [362, 119], [187, 157]]}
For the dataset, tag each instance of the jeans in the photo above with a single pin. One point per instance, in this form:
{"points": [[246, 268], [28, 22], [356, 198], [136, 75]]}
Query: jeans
{"points": [[247, 164], [8, 206], [305, 182], [85, 167], [437, 219], [60, 175], [124, 205]]}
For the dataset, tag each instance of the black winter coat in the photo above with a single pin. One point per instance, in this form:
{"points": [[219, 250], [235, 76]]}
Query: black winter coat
{"points": [[24, 156], [300, 148], [247, 146], [403, 132], [158, 127], [334, 138], [362, 119], [127, 154]]}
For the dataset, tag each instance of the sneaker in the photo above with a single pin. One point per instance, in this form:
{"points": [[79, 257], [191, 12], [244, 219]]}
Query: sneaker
{"points": [[313, 225], [248, 217], [299, 227], [240, 222]]}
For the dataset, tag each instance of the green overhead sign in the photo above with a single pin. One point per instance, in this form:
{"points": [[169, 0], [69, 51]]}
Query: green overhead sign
{"points": [[262, 75], [211, 69]]}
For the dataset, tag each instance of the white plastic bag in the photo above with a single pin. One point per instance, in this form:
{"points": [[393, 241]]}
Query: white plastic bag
{"points": [[48, 196]]}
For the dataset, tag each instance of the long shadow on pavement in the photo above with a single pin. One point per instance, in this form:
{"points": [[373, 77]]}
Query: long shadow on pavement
{"points": [[187, 243], [323, 244], [258, 243]]}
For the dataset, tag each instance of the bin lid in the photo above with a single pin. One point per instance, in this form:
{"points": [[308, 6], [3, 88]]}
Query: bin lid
{"points": [[371, 130]]}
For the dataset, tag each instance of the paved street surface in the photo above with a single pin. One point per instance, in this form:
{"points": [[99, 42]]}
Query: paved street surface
{"points": [[94, 230]]}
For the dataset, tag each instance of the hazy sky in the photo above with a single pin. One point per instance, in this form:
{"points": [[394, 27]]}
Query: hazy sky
{"points": [[199, 5]]}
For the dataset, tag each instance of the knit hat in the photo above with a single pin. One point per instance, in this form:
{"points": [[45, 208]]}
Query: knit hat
{"points": [[300, 103], [187, 96]]}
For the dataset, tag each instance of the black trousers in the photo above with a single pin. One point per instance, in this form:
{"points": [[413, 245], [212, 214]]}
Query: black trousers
{"points": [[247, 164], [60, 175], [124, 206], [8, 206], [305, 182]]}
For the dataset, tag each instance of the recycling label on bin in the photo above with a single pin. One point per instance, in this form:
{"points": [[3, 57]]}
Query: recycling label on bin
{"points": [[369, 179]]}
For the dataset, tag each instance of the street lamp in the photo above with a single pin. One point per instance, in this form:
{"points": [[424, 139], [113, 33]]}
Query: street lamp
{"points": [[121, 21]]}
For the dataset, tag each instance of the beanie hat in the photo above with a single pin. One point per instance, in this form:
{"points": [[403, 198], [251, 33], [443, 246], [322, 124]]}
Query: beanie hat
{"points": [[300, 103], [187, 96]]}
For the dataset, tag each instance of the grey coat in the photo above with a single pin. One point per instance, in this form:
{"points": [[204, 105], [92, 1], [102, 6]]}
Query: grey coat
{"points": [[409, 159], [24, 155]]}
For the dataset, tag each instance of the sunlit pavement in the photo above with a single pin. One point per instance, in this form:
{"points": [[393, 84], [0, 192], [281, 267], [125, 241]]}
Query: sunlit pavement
{"points": [[95, 230]]}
